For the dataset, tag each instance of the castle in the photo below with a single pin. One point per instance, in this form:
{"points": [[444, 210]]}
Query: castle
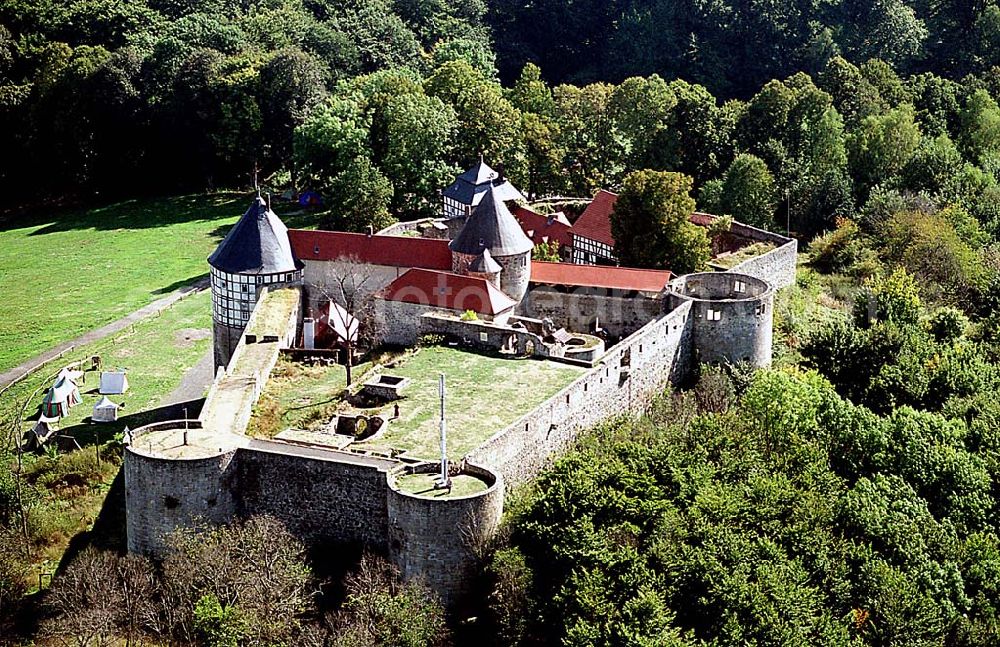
{"points": [[468, 277]]}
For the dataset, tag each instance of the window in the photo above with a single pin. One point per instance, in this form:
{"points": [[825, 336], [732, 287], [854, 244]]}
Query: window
{"points": [[484, 337], [740, 286], [713, 315], [761, 309]]}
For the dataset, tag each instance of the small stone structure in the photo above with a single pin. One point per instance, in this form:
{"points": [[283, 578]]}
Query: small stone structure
{"points": [[385, 387]]}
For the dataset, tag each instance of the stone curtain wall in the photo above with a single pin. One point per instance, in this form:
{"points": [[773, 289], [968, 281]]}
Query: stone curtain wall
{"points": [[622, 383], [777, 267], [321, 497], [441, 540], [618, 312]]}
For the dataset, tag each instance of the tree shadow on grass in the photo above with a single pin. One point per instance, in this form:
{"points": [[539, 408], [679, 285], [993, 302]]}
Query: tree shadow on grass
{"points": [[191, 281], [132, 214]]}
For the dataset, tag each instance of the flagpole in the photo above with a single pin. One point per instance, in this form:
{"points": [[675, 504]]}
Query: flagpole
{"points": [[443, 482]]}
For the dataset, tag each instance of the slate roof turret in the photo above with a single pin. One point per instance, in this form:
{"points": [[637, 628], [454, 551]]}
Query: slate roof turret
{"points": [[470, 187], [484, 264], [257, 244], [491, 226]]}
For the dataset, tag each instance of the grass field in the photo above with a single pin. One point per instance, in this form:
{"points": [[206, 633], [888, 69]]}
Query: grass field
{"points": [[423, 485], [68, 489], [485, 394], [157, 352], [300, 397], [69, 272]]}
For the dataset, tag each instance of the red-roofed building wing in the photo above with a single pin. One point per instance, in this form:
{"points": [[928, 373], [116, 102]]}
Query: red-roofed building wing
{"points": [[393, 251], [542, 229], [448, 291], [612, 278], [593, 243]]}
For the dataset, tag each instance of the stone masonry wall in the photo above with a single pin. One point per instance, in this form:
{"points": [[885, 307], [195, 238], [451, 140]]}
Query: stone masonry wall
{"points": [[777, 266], [622, 382], [319, 496], [619, 313], [728, 326]]}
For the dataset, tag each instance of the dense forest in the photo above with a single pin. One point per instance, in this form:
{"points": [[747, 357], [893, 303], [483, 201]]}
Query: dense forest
{"points": [[848, 496]]}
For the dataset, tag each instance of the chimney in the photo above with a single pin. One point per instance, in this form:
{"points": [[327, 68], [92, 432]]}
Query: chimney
{"points": [[500, 177], [371, 230]]}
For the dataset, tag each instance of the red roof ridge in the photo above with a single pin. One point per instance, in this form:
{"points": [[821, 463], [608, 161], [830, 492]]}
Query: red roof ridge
{"points": [[422, 287], [376, 249], [600, 276]]}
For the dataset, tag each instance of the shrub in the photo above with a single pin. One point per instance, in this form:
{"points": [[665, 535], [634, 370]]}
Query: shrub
{"points": [[894, 298], [947, 324], [470, 315]]}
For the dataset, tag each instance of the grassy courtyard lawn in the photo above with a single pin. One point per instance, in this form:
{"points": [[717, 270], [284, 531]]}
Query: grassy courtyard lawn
{"points": [[70, 272], [300, 397], [68, 489], [485, 394], [423, 485], [157, 352]]}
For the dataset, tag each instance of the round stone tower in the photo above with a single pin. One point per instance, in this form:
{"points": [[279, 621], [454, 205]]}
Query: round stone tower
{"points": [[254, 254], [732, 316], [493, 228]]}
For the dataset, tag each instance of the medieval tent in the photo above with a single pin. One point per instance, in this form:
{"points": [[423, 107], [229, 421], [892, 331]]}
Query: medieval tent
{"points": [[42, 431], [60, 398], [113, 383], [105, 411]]}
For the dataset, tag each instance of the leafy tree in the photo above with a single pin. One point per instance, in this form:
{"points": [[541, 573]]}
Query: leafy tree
{"points": [[748, 192], [651, 226], [487, 122], [420, 135], [882, 145], [291, 85], [360, 197], [894, 298], [381, 611], [980, 126], [546, 252]]}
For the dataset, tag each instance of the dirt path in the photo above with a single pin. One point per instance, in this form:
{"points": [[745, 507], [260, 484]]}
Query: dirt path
{"points": [[7, 377]]}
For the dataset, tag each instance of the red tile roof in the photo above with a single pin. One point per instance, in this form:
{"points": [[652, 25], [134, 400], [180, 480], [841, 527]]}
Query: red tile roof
{"points": [[595, 221], [544, 229], [395, 251], [447, 290], [595, 276]]}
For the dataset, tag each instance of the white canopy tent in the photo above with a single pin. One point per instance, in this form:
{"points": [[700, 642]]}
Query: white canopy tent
{"points": [[105, 411], [113, 383]]}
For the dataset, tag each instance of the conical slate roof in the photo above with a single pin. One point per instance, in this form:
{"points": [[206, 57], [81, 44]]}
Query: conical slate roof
{"points": [[470, 187], [491, 227], [484, 264], [257, 244], [479, 174]]}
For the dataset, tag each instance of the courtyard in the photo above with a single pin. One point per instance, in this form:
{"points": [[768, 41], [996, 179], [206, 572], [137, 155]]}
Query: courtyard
{"points": [[485, 393]]}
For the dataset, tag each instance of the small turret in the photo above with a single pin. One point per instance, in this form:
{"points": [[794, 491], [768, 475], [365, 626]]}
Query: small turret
{"points": [[483, 266], [469, 188]]}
